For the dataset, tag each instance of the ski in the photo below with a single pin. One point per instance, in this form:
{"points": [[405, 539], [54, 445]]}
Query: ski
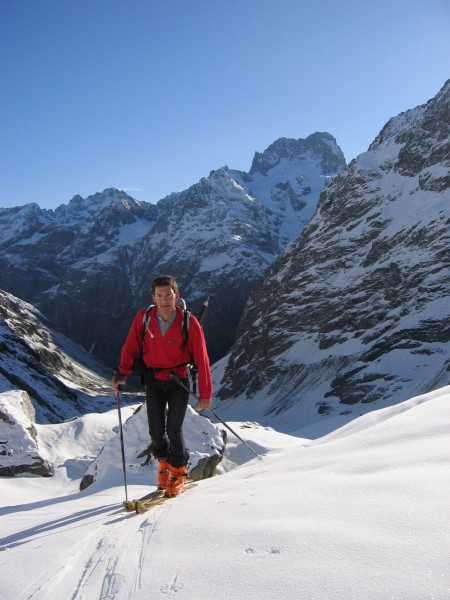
{"points": [[155, 498], [131, 505]]}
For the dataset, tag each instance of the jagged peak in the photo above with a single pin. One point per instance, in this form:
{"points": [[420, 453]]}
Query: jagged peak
{"points": [[424, 114], [216, 178], [222, 171], [108, 196], [320, 144], [26, 209], [95, 203]]}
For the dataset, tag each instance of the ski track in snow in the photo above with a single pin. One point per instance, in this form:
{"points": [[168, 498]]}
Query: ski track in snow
{"points": [[114, 565]]}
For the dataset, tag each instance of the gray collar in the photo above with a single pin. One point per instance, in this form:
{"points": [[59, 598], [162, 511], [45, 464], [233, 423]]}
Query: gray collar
{"points": [[164, 325]]}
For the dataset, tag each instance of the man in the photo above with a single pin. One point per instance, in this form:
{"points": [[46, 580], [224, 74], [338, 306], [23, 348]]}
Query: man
{"points": [[164, 349]]}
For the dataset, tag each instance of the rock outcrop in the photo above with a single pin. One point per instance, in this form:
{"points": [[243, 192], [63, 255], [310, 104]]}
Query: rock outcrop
{"points": [[19, 451]]}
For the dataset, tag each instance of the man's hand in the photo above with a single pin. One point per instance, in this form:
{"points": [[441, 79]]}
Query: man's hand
{"points": [[117, 380], [203, 404]]}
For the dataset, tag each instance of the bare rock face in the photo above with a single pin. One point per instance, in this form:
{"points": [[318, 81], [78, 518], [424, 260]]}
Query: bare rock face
{"points": [[355, 311], [19, 451]]}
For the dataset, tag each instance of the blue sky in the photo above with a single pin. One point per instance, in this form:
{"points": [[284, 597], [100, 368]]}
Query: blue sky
{"points": [[151, 95]]}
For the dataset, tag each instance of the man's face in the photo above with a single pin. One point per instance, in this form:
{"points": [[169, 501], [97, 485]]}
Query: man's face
{"points": [[165, 299]]}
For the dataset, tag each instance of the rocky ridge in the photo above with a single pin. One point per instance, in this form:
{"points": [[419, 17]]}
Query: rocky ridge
{"points": [[355, 313], [60, 379], [87, 266]]}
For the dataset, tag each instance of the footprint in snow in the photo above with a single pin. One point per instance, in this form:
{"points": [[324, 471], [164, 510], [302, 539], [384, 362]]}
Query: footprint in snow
{"points": [[274, 551], [172, 588]]}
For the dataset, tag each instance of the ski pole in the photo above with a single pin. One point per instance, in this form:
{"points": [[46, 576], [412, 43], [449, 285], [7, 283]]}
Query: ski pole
{"points": [[177, 380], [234, 433], [122, 445], [203, 309]]}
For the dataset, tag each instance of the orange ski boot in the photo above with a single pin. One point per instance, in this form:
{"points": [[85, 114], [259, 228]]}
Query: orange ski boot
{"points": [[163, 473], [176, 481]]}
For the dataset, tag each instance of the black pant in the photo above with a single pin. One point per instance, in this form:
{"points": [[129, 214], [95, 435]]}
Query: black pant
{"points": [[166, 426]]}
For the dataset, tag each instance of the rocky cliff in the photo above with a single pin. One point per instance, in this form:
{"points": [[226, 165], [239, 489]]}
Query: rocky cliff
{"points": [[57, 376], [355, 313]]}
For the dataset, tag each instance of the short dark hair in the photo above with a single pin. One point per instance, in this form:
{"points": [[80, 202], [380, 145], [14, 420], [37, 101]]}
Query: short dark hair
{"points": [[163, 281]]}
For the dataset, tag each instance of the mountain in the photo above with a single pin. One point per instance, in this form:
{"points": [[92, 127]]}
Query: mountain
{"points": [[354, 314], [60, 379], [73, 263], [87, 266]]}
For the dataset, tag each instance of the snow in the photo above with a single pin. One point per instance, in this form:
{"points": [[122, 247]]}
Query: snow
{"points": [[360, 513], [128, 234], [301, 174]]}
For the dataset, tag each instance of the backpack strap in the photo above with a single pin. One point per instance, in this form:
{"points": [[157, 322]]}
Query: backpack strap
{"points": [[185, 328], [146, 322]]}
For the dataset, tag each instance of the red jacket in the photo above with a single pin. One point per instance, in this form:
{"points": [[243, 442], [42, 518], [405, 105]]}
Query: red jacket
{"points": [[167, 352]]}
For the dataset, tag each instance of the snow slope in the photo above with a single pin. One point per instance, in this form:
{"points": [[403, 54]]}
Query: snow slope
{"points": [[360, 514]]}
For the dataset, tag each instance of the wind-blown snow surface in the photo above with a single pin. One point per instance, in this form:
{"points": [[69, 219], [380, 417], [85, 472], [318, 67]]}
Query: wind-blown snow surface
{"points": [[360, 514]]}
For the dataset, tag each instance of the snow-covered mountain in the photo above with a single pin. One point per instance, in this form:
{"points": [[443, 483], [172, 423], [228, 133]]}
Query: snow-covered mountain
{"points": [[59, 377], [88, 265], [73, 263], [353, 316], [355, 313]]}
